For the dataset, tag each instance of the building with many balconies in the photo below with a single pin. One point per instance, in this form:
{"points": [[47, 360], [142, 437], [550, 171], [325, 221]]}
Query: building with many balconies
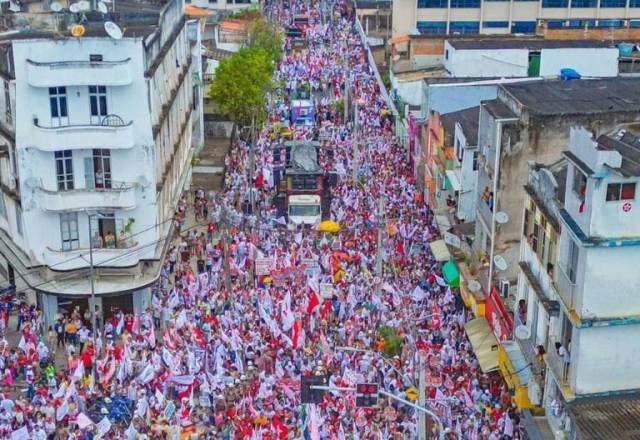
{"points": [[96, 146]]}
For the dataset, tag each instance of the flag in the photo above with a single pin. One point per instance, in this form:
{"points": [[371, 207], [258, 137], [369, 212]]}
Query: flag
{"points": [[20, 434], [166, 339], [508, 426], [120, 325], [467, 399], [79, 372], [83, 421], [103, 426], [296, 334], [281, 429], [62, 410], [325, 308], [418, 294], [314, 302], [181, 321], [435, 319]]}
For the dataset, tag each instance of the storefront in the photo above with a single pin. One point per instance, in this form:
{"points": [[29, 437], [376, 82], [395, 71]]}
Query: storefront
{"points": [[519, 377], [474, 301]]}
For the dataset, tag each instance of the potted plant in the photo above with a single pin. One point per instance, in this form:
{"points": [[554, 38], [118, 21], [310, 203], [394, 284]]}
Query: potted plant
{"points": [[125, 236]]}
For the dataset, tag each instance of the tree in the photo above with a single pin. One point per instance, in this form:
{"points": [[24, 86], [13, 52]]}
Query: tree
{"points": [[264, 34], [241, 83]]}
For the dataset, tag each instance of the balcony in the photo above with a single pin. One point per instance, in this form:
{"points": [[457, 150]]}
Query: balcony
{"points": [[120, 256], [566, 288], [486, 213], [112, 133], [79, 73], [121, 195], [561, 370]]}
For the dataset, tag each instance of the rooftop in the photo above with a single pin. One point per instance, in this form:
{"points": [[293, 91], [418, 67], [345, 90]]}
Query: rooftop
{"points": [[577, 97], [607, 417], [531, 44], [468, 119], [498, 110], [628, 145]]}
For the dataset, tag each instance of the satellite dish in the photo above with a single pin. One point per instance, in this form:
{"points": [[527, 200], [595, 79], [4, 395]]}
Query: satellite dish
{"points": [[56, 7], [113, 30], [500, 262], [474, 286], [502, 217], [84, 5], [102, 7], [522, 332], [77, 30], [75, 8]]}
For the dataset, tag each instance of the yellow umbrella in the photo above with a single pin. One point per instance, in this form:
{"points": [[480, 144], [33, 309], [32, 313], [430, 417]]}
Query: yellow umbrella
{"points": [[329, 226]]}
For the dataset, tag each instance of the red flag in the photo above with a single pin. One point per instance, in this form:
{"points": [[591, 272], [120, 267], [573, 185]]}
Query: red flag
{"points": [[314, 302], [325, 308], [435, 319], [296, 334], [199, 337], [281, 428]]}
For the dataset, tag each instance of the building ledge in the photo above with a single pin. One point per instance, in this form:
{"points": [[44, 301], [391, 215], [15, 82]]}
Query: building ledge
{"points": [[578, 163], [550, 306], [586, 241]]}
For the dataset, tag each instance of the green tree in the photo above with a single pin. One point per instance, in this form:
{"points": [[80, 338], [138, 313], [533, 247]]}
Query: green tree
{"points": [[241, 83], [265, 35]]}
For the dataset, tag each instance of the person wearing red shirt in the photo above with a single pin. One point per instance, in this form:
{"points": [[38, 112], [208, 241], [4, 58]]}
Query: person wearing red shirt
{"points": [[87, 357]]}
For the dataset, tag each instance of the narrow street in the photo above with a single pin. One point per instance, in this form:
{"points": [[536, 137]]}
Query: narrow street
{"points": [[207, 173]]}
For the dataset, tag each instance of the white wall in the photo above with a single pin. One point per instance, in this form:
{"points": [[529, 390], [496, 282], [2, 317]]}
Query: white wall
{"points": [[580, 59], [606, 359], [468, 178], [485, 63], [409, 91]]}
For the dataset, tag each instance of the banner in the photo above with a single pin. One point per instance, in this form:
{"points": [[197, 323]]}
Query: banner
{"points": [[264, 266]]}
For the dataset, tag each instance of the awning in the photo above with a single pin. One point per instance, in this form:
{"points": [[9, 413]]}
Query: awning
{"points": [[451, 274], [194, 11], [484, 343], [439, 250], [453, 178], [399, 39]]}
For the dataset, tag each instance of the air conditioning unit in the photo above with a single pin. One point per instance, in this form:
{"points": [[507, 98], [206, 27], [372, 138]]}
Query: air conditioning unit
{"points": [[504, 288]]}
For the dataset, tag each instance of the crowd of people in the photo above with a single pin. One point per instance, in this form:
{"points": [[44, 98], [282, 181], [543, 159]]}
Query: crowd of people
{"points": [[220, 351]]}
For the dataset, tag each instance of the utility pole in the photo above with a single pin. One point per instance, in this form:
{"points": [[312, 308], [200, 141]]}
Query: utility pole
{"points": [[252, 149], [422, 400], [346, 84], [225, 248], [355, 145], [379, 246]]}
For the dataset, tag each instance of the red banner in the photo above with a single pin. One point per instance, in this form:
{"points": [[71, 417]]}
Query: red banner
{"points": [[499, 319]]}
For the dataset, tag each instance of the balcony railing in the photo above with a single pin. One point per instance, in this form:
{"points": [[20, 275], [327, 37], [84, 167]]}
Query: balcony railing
{"points": [[121, 195], [112, 132], [560, 367], [79, 73], [566, 288], [485, 211], [538, 270]]}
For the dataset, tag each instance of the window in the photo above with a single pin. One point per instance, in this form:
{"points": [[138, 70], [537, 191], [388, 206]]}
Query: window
{"points": [[525, 229], [464, 27], [584, 4], [475, 160], [523, 27], [621, 191], [635, 23], [94, 58], [64, 169], [555, 3], [7, 104], [446, 54], [465, 3], [433, 4], [610, 23], [533, 239], [579, 184], [19, 220], [101, 165], [581, 24], [3, 206], [58, 104], [69, 231], [572, 261], [98, 103], [612, 4], [555, 24], [495, 24], [432, 27]]}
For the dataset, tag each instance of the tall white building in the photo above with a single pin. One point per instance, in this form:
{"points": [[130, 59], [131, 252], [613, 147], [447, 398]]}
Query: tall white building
{"points": [[514, 16], [580, 297], [96, 136]]}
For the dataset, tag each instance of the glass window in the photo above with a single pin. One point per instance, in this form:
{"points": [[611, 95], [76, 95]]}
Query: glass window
{"points": [[19, 220], [635, 23], [64, 169], [580, 24], [621, 191], [495, 24], [555, 3], [464, 27], [432, 27], [525, 229], [572, 261], [3, 206], [555, 24], [610, 23], [584, 4], [523, 27], [433, 4], [613, 4], [58, 102], [465, 3], [7, 103], [98, 103], [579, 184], [475, 160], [69, 231], [102, 168]]}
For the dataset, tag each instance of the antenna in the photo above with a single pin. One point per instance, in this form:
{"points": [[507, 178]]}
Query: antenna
{"points": [[102, 7], [77, 30], [500, 262], [75, 8], [55, 6], [84, 5], [113, 30]]}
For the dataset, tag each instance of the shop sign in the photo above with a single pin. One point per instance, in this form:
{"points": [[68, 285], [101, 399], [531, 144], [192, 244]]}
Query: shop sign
{"points": [[498, 317]]}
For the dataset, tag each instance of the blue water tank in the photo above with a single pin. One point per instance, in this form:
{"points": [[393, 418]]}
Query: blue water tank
{"points": [[569, 74], [625, 49]]}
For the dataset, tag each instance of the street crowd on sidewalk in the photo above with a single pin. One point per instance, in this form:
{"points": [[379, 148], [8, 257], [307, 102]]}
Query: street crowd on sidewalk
{"points": [[211, 362]]}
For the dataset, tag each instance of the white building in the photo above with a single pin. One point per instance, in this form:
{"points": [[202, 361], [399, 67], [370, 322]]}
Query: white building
{"points": [[506, 17], [97, 143], [223, 5], [463, 126], [591, 361], [491, 58]]}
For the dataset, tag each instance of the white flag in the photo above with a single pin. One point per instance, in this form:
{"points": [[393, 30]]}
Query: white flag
{"points": [[20, 434], [62, 410], [83, 421], [418, 294], [103, 426]]}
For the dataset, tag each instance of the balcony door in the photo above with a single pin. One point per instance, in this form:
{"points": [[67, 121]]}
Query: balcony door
{"points": [[98, 104], [58, 106], [97, 169]]}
